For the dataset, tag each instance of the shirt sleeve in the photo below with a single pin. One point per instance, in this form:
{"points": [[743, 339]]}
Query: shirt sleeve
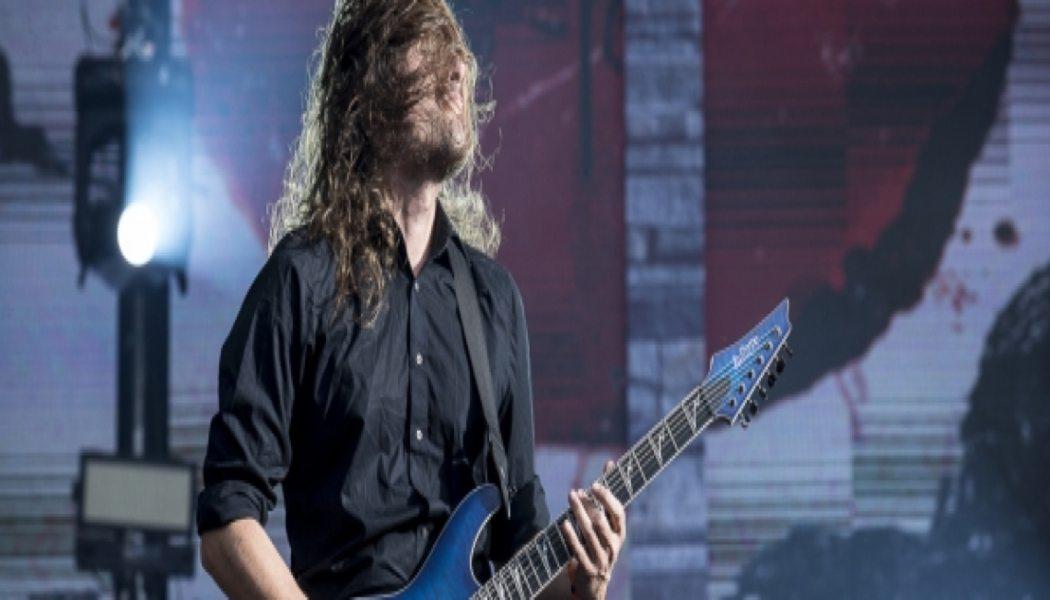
{"points": [[249, 446], [529, 513]]}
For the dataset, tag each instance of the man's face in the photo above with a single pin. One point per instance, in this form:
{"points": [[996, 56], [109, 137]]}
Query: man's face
{"points": [[439, 122]]}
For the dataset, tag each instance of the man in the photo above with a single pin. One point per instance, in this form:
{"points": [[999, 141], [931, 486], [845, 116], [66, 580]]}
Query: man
{"points": [[345, 377]]}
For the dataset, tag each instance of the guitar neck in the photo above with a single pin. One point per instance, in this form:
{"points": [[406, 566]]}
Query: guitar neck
{"points": [[540, 560], [735, 374]]}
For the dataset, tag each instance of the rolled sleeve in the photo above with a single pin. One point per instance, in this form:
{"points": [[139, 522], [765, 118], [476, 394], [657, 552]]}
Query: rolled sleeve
{"points": [[226, 501], [529, 512], [249, 444]]}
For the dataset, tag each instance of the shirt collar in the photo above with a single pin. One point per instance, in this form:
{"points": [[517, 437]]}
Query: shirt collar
{"points": [[440, 236]]}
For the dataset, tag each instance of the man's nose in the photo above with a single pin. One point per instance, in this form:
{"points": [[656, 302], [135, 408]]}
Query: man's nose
{"points": [[455, 84], [458, 72]]}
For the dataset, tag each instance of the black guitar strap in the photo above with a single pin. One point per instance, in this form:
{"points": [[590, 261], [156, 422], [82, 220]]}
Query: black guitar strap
{"points": [[470, 317]]}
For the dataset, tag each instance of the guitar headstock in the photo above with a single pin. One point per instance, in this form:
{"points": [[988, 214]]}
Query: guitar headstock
{"points": [[744, 371]]}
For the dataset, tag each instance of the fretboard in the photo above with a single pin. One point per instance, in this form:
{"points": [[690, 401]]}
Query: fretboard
{"points": [[540, 560]]}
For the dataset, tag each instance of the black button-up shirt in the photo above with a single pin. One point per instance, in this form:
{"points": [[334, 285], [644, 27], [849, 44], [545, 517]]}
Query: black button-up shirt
{"points": [[374, 433]]}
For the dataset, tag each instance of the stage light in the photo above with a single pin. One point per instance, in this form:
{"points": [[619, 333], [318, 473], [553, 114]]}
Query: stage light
{"points": [[134, 119], [137, 494], [118, 499], [137, 234]]}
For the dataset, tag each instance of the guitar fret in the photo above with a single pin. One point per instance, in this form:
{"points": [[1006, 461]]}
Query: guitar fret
{"points": [[516, 578], [561, 550], [685, 431], [638, 479], [501, 592], [528, 556], [657, 445], [606, 481], [670, 436], [512, 581], [541, 546], [553, 560], [614, 481], [700, 410], [649, 464], [626, 477], [501, 586], [558, 550], [640, 464], [689, 411], [534, 563], [669, 446]]}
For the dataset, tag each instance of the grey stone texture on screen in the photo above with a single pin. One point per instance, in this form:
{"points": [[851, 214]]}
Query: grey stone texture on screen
{"points": [[664, 187]]}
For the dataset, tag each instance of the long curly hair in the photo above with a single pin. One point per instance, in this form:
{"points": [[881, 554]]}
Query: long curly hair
{"points": [[354, 125]]}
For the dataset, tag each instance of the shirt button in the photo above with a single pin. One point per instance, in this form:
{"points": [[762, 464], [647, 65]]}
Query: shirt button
{"points": [[419, 435], [419, 358], [416, 286]]}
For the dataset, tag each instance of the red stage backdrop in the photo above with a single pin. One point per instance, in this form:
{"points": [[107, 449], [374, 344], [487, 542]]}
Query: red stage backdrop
{"points": [[839, 140]]}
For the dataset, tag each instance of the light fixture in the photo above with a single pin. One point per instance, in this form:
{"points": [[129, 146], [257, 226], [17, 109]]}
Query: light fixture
{"points": [[121, 499], [137, 234], [134, 119]]}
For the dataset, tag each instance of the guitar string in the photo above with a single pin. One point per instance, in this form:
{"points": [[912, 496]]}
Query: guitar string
{"points": [[675, 423]]}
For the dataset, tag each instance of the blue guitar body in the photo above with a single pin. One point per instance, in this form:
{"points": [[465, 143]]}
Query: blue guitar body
{"points": [[446, 572]]}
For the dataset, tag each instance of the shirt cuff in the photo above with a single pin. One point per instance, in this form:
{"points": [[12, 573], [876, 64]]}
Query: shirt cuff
{"points": [[227, 501]]}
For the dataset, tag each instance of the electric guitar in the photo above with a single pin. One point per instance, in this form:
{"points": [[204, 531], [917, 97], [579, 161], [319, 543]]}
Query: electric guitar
{"points": [[736, 375]]}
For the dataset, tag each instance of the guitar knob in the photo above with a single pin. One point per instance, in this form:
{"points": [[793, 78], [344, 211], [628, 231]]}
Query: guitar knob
{"points": [[771, 380]]}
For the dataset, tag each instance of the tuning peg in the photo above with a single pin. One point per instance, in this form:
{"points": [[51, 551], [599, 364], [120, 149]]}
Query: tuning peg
{"points": [[745, 421], [771, 380], [751, 406], [762, 392], [788, 350], [779, 365]]}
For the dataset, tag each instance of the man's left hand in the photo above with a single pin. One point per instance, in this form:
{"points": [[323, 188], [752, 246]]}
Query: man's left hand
{"points": [[603, 526]]}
